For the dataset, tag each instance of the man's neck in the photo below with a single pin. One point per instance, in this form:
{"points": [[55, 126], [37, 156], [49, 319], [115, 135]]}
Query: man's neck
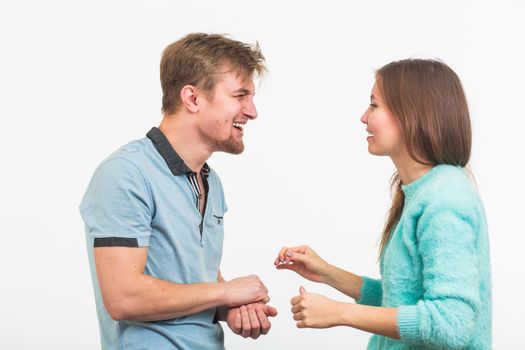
{"points": [[184, 138]]}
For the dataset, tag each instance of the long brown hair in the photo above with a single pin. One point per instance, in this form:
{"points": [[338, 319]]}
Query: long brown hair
{"points": [[427, 98]]}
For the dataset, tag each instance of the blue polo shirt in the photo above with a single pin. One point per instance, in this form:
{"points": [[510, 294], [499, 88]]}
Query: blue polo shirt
{"points": [[144, 195]]}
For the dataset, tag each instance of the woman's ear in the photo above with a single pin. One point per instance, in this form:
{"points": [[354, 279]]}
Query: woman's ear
{"points": [[188, 97]]}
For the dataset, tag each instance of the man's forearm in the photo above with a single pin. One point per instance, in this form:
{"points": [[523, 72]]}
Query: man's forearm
{"points": [[150, 299], [129, 294]]}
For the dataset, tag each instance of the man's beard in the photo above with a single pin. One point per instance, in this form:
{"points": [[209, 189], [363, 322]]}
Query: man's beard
{"points": [[231, 146]]}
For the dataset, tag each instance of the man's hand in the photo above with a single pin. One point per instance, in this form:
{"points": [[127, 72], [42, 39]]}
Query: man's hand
{"points": [[250, 320], [245, 290]]}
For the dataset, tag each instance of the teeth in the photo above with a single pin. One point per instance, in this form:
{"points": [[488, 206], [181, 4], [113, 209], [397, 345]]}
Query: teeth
{"points": [[239, 125], [369, 133]]}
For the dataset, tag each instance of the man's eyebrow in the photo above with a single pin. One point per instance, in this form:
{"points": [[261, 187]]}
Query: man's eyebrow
{"points": [[243, 91]]}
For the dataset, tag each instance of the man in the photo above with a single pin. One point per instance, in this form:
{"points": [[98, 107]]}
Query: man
{"points": [[154, 210]]}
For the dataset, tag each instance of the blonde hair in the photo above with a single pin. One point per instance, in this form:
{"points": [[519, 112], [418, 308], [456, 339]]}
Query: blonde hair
{"points": [[197, 57]]}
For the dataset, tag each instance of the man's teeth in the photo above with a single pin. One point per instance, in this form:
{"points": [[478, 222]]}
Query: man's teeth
{"points": [[238, 125]]}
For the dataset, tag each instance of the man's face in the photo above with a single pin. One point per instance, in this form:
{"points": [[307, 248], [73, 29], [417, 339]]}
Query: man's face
{"points": [[226, 112]]}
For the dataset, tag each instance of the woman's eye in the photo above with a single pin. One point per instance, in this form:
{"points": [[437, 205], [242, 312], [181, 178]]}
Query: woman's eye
{"points": [[373, 105]]}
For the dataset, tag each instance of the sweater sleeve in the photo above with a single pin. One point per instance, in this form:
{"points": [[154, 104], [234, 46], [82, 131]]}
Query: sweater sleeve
{"points": [[446, 314], [371, 292]]}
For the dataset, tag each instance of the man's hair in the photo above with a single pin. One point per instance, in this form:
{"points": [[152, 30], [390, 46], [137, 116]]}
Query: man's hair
{"points": [[197, 58]]}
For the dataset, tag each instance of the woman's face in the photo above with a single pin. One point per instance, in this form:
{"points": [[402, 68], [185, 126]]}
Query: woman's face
{"points": [[384, 133]]}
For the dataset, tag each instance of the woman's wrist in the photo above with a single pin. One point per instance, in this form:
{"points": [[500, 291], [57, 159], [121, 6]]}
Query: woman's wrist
{"points": [[345, 314], [327, 277]]}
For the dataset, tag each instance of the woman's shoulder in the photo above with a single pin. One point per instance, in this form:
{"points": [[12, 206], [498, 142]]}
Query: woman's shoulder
{"points": [[450, 187], [446, 176]]}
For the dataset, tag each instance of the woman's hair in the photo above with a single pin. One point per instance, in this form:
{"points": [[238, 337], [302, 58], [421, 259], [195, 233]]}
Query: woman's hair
{"points": [[428, 100]]}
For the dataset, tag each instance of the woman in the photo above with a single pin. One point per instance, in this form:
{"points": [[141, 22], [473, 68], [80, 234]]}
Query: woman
{"points": [[435, 290]]}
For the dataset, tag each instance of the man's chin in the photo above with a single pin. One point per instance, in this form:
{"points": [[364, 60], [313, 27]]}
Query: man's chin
{"points": [[231, 147]]}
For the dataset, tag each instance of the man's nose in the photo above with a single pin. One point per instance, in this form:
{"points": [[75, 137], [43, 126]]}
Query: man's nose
{"points": [[249, 110]]}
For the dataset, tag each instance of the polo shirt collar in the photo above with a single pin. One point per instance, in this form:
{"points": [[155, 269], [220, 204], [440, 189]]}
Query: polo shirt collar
{"points": [[173, 160]]}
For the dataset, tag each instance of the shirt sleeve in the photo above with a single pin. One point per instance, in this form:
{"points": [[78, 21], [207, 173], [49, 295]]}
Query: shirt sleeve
{"points": [[371, 292], [117, 206], [446, 314]]}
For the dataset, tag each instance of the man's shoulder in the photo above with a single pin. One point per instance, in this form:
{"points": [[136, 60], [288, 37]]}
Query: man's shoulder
{"points": [[130, 160], [134, 151]]}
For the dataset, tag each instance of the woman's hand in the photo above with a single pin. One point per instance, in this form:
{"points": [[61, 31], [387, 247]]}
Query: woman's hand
{"points": [[304, 261], [315, 311]]}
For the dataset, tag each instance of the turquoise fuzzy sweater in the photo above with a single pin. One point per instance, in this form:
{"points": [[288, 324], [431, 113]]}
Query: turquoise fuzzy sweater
{"points": [[436, 267]]}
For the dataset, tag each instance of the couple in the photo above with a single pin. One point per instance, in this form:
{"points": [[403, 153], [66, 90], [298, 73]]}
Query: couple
{"points": [[154, 213]]}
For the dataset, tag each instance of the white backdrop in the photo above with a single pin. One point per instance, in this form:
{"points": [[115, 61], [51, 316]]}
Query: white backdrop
{"points": [[80, 78]]}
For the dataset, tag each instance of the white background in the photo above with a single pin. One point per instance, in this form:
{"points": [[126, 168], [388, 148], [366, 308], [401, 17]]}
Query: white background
{"points": [[79, 79]]}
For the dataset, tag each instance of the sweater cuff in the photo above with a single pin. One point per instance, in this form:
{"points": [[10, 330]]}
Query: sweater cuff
{"points": [[371, 292], [409, 324]]}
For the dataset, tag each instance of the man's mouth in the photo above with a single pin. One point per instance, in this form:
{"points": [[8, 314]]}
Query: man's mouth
{"points": [[239, 126]]}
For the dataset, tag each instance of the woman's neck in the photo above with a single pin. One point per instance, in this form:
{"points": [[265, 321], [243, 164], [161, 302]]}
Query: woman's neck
{"points": [[408, 169]]}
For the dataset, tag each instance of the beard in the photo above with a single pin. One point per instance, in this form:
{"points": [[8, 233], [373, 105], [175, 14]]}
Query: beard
{"points": [[231, 145]]}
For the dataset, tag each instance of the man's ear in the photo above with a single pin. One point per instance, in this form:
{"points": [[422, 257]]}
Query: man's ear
{"points": [[188, 97]]}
